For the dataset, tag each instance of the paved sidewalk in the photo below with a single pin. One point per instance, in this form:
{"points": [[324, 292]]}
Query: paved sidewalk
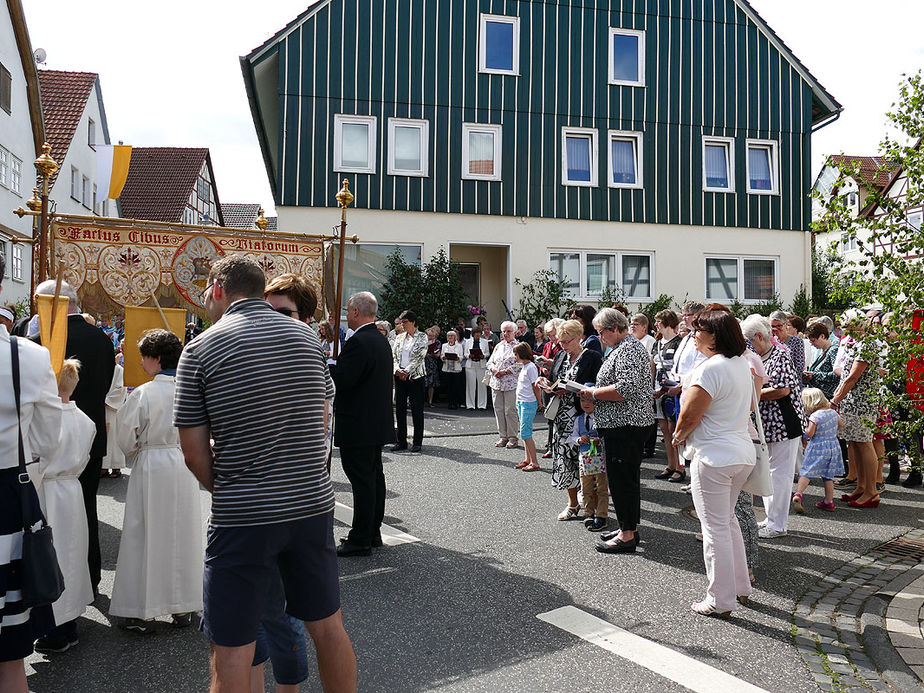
{"points": [[840, 625]]}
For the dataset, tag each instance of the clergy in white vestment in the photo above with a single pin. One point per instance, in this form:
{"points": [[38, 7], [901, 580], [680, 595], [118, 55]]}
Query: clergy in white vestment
{"points": [[159, 571], [55, 478], [475, 352], [115, 398]]}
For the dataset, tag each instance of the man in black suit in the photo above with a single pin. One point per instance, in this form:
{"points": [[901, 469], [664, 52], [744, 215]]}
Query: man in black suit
{"points": [[89, 345], [363, 421]]}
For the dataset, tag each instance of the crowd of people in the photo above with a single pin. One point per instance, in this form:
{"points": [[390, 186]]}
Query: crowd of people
{"points": [[250, 409]]}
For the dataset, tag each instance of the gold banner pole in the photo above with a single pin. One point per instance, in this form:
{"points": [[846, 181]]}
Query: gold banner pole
{"points": [[345, 198], [46, 167]]}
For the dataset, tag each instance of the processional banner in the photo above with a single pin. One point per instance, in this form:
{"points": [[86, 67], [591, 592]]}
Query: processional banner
{"points": [[115, 265]]}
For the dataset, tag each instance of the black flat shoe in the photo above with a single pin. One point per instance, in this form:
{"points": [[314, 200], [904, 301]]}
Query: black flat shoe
{"points": [[678, 479], [914, 479], [607, 536], [415, 448], [665, 474], [399, 447], [348, 548], [376, 541], [618, 547]]}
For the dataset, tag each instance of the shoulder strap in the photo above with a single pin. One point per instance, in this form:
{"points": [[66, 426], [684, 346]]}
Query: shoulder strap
{"points": [[14, 363], [754, 403]]}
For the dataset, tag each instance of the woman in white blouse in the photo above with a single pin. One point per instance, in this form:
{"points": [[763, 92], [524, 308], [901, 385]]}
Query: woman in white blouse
{"points": [[713, 425], [504, 371], [451, 355]]}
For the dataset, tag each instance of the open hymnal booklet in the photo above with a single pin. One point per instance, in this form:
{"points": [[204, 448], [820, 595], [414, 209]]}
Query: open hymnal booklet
{"points": [[568, 385]]}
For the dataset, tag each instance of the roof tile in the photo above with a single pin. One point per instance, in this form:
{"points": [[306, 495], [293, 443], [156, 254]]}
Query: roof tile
{"points": [[160, 180], [64, 98]]}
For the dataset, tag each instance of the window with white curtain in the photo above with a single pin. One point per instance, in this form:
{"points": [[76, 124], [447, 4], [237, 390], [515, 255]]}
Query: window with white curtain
{"points": [[579, 157], [481, 151], [718, 164], [743, 279], [354, 143], [763, 167], [588, 273], [408, 147], [625, 159]]}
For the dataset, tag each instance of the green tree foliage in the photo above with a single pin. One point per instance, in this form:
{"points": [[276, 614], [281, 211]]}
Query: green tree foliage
{"points": [[889, 272], [662, 302], [543, 297], [434, 292], [828, 283], [801, 303]]}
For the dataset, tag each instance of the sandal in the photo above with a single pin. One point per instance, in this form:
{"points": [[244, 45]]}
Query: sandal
{"points": [[500, 443], [531, 468], [572, 512], [520, 465], [797, 504], [115, 474], [705, 609]]}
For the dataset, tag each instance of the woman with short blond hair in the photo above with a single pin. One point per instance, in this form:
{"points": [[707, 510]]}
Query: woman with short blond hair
{"points": [[504, 371]]}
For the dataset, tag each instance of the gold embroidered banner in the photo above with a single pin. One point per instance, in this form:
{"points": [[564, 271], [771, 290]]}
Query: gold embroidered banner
{"points": [[112, 266]]}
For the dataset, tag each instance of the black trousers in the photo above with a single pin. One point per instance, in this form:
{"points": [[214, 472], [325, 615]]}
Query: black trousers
{"points": [[363, 467], [413, 390], [652, 439], [89, 483], [622, 449], [455, 385]]}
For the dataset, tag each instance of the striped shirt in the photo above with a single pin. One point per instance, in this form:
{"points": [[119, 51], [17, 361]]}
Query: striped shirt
{"points": [[258, 380]]}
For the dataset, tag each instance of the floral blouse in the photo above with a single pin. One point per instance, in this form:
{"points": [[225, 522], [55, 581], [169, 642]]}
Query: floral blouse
{"points": [[502, 359], [781, 373], [861, 401], [628, 367], [822, 369]]}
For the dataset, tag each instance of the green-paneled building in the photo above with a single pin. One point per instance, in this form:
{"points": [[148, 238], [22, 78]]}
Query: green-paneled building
{"points": [[648, 146]]}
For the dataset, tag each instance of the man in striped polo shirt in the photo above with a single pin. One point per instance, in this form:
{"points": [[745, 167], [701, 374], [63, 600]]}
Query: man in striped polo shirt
{"points": [[256, 383]]}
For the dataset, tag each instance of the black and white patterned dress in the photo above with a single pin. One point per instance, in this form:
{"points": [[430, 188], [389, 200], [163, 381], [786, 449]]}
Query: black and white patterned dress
{"points": [[781, 417]]}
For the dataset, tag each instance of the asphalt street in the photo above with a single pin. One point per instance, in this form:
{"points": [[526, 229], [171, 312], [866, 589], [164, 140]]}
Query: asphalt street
{"points": [[458, 610]]}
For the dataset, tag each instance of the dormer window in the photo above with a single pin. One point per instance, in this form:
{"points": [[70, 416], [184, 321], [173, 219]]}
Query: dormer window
{"points": [[499, 50], [627, 57]]}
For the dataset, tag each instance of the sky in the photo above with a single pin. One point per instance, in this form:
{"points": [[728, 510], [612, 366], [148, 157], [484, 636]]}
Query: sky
{"points": [[171, 77]]}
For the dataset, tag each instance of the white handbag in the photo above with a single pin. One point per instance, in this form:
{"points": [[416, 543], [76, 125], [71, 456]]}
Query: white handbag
{"points": [[759, 483]]}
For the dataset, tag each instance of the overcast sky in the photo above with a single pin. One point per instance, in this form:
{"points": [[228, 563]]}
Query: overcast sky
{"points": [[170, 73]]}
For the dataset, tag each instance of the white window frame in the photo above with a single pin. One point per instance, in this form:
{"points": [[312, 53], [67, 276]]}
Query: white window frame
{"points": [[85, 192], [483, 40], [774, 148], [4, 253], [496, 130], [567, 132], [618, 31], [423, 127], [5, 171], [848, 242], [75, 183], [639, 158], [729, 144], [91, 133], [339, 120], [15, 174], [740, 277], [16, 262], [618, 254]]}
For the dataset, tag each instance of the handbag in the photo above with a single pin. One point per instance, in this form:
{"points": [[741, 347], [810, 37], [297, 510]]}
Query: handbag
{"points": [[758, 482], [42, 581], [552, 407], [486, 378]]}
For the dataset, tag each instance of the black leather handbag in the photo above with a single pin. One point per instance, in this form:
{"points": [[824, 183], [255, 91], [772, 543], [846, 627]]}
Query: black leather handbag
{"points": [[42, 581]]}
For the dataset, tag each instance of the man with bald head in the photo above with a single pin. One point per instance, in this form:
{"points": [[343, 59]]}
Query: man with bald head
{"points": [[89, 345]]}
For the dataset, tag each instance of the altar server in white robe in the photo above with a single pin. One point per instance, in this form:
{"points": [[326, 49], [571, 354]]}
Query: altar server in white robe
{"points": [[115, 458], [61, 498], [159, 571], [475, 351]]}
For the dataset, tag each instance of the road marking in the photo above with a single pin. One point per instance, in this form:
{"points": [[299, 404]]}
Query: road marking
{"points": [[368, 573], [390, 535], [675, 666]]}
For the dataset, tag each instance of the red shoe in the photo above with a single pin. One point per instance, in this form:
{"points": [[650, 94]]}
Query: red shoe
{"points": [[871, 503], [546, 455], [521, 464], [850, 497]]}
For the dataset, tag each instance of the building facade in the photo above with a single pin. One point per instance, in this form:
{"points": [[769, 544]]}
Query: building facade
{"points": [[638, 147], [21, 137]]}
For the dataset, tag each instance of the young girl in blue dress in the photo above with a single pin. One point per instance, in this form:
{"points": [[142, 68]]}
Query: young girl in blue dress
{"points": [[822, 457]]}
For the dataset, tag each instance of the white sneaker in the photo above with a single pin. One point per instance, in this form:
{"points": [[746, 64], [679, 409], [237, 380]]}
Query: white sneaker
{"points": [[767, 533], [762, 523], [686, 488]]}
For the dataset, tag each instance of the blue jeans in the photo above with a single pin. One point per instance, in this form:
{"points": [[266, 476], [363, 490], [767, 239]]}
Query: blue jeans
{"points": [[281, 638]]}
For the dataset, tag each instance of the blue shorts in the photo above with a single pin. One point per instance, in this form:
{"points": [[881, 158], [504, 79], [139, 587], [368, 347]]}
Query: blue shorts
{"points": [[281, 638], [527, 412], [240, 562]]}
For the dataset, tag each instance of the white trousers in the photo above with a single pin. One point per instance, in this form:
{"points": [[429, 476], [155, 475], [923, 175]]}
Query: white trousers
{"points": [[505, 412], [784, 464], [715, 492], [476, 392]]}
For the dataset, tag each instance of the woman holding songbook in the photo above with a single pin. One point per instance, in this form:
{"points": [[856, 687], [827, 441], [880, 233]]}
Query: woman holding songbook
{"points": [[475, 352], [577, 365], [451, 357]]}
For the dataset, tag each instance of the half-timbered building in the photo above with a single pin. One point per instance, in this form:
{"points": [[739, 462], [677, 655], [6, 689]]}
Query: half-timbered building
{"points": [[645, 146]]}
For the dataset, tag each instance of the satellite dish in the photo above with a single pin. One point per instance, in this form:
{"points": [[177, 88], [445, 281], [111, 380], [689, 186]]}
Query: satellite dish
{"points": [[40, 56]]}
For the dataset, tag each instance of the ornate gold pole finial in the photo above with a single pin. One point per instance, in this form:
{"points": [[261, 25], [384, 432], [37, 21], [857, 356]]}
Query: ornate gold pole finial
{"points": [[46, 167], [261, 221], [35, 203], [345, 199]]}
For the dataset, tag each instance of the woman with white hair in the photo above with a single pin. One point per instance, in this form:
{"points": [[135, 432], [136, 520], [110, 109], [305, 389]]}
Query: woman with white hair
{"points": [[504, 371], [783, 418], [623, 413], [451, 356], [475, 351]]}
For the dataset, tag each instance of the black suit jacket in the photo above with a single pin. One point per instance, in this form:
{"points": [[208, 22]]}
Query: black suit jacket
{"points": [[363, 376], [90, 345]]}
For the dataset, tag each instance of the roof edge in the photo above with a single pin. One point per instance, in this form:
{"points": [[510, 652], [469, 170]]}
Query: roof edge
{"points": [[33, 93], [208, 163], [313, 8], [257, 116], [820, 92]]}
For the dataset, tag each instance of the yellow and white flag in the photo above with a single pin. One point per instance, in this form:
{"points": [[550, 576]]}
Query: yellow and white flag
{"points": [[111, 170]]}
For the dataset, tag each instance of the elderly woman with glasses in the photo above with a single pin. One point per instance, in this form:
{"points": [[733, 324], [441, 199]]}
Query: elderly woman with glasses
{"points": [[504, 370], [713, 427], [623, 413]]}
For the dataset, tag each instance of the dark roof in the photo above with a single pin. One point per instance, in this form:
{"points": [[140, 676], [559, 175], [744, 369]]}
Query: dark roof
{"points": [[273, 223], [160, 180], [64, 99], [874, 171], [240, 216]]}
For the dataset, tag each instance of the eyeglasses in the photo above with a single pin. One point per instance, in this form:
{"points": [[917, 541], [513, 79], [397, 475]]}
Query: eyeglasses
{"points": [[288, 312], [210, 285]]}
